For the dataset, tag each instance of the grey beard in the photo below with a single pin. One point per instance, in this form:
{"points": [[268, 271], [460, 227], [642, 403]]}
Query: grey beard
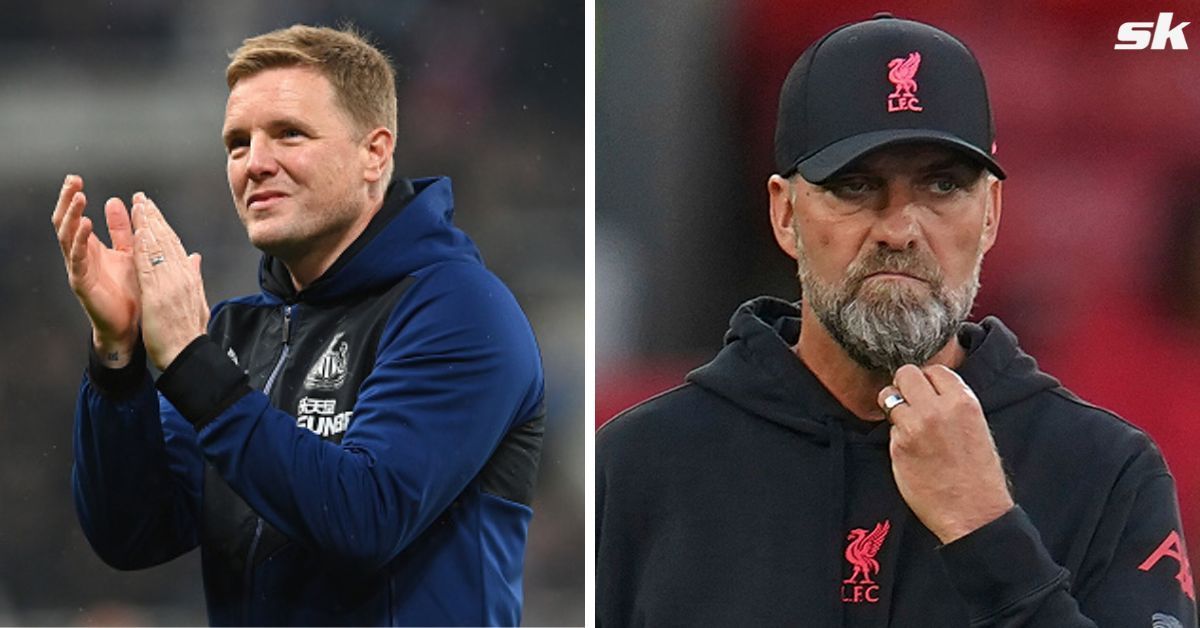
{"points": [[885, 327]]}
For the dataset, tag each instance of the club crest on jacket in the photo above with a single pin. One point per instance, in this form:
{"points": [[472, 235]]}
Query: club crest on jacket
{"points": [[329, 371], [861, 549]]}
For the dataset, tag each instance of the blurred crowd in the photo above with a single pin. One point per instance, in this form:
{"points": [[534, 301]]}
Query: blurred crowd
{"points": [[130, 94], [1097, 266]]}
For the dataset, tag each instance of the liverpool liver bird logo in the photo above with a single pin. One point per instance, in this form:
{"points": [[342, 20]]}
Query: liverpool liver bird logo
{"points": [[901, 71], [861, 552]]}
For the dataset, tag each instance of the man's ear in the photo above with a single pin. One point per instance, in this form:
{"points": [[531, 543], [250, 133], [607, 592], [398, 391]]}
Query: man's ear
{"points": [[991, 217], [378, 146], [783, 214]]}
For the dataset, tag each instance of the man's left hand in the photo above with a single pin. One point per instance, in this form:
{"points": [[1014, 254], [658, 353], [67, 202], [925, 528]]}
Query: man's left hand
{"points": [[174, 308], [943, 457]]}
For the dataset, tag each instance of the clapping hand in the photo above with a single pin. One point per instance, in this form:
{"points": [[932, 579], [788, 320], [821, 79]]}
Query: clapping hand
{"points": [[145, 278]]}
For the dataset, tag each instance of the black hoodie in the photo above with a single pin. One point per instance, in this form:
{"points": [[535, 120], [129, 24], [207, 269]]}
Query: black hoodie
{"points": [[750, 497]]}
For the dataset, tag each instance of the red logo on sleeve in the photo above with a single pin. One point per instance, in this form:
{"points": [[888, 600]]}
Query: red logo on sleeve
{"points": [[860, 552], [1172, 547]]}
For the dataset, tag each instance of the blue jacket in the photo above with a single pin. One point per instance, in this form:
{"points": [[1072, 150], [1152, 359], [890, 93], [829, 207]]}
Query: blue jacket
{"points": [[360, 452]]}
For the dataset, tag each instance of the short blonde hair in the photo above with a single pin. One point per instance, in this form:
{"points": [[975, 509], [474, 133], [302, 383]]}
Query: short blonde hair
{"points": [[362, 77]]}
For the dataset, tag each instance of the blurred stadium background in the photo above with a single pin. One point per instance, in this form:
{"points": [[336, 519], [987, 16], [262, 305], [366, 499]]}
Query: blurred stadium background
{"points": [[130, 94], [1097, 266]]}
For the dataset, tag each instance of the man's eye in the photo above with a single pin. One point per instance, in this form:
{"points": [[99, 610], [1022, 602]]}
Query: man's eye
{"points": [[945, 186], [851, 187], [293, 133], [233, 145]]}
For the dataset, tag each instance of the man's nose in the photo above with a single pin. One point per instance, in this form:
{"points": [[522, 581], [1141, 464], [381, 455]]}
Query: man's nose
{"points": [[260, 162], [897, 226]]}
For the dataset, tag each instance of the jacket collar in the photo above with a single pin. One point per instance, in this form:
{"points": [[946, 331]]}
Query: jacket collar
{"points": [[758, 371], [413, 230]]}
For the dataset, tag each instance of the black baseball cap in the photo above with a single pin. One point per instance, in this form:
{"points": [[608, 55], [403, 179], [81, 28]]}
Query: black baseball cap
{"points": [[876, 83]]}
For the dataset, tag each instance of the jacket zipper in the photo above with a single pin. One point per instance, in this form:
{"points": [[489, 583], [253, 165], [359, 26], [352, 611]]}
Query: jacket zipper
{"points": [[287, 332], [258, 525]]}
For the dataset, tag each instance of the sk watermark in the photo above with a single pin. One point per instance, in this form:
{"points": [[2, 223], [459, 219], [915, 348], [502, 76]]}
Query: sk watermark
{"points": [[1153, 35]]}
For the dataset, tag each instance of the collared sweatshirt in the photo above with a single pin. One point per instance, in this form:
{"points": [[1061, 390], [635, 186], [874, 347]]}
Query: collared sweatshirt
{"points": [[750, 497], [361, 452]]}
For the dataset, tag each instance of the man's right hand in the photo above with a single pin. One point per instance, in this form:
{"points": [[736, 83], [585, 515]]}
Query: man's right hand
{"points": [[104, 279]]}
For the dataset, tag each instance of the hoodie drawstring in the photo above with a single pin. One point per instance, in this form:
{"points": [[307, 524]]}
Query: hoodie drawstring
{"points": [[837, 497]]}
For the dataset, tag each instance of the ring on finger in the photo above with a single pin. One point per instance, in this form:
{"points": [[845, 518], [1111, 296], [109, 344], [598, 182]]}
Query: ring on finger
{"points": [[892, 401], [157, 259]]}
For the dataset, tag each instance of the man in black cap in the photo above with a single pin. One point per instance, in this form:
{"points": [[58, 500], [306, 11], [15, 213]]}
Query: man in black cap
{"points": [[868, 457]]}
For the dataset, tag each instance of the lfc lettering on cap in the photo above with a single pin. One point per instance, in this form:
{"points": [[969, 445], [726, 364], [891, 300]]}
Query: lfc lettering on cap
{"points": [[901, 72]]}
